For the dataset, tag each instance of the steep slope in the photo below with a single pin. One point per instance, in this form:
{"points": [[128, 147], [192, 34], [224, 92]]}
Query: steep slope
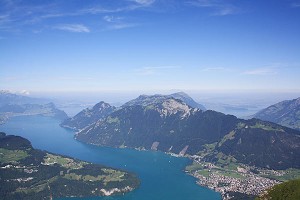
{"points": [[163, 123], [168, 121], [188, 100], [27, 173], [88, 116], [289, 190], [286, 113], [262, 144]]}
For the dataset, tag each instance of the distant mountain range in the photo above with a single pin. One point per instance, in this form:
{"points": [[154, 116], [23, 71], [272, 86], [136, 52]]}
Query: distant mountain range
{"points": [[285, 113], [49, 110], [6, 97], [27, 173], [162, 122], [12, 105]]}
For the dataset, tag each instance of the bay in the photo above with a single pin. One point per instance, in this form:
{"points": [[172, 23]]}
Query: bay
{"points": [[162, 176]]}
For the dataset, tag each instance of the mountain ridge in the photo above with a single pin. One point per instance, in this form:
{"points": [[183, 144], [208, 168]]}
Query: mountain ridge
{"points": [[88, 116], [286, 113], [146, 123], [49, 110], [12, 105], [7, 97]]}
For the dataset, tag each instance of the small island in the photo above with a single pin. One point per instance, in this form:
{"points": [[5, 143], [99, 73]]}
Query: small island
{"points": [[28, 173]]}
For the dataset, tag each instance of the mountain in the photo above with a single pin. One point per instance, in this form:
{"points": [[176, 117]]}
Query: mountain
{"points": [[146, 99], [167, 124], [286, 113], [12, 105], [149, 119], [261, 144], [27, 173], [7, 97], [101, 110], [49, 110], [289, 190], [88, 116], [188, 100]]}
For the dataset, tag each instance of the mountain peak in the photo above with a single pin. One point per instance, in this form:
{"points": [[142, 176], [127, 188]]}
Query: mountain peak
{"points": [[146, 100], [188, 100], [101, 105], [89, 116], [180, 94]]}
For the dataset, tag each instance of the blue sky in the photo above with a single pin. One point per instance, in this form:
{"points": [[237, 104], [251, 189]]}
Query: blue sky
{"points": [[150, 45]]}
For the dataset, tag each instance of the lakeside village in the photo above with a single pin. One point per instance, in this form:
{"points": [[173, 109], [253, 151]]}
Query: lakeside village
{"points": [[240, 180], [232, 178], [235, 178]]}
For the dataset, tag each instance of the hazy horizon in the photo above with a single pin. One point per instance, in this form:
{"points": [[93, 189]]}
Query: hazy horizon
{"points": [[238, 103]]}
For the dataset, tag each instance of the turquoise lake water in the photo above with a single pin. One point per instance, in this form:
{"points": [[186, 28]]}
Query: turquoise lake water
{"points": [[162, 176]]}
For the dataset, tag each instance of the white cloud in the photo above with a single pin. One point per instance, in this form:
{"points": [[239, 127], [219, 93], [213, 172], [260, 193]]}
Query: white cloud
{"points": [[155, 70], [138, 4], [112, 19], [225, 11], [144, 2], [220, 7], [121, 26], [296, 5], [72, 78], [16, 14], [108, 18], [261, 71], [213, 69], [100, 10], [117, 23], [4, 17], [78, 28]]}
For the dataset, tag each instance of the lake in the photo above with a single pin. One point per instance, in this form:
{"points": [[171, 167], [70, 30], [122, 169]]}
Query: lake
{"points": [[162, 176]]}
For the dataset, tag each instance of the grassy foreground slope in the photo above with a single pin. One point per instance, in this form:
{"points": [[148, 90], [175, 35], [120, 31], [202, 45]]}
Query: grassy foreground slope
{"points": [[285, 191]]}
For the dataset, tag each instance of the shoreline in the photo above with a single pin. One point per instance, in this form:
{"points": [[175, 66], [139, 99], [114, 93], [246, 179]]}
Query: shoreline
{"points": [[247, 184]]}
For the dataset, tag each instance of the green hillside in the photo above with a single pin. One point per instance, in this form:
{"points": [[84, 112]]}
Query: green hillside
{"points": [[289, 190], [28, 173]]}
